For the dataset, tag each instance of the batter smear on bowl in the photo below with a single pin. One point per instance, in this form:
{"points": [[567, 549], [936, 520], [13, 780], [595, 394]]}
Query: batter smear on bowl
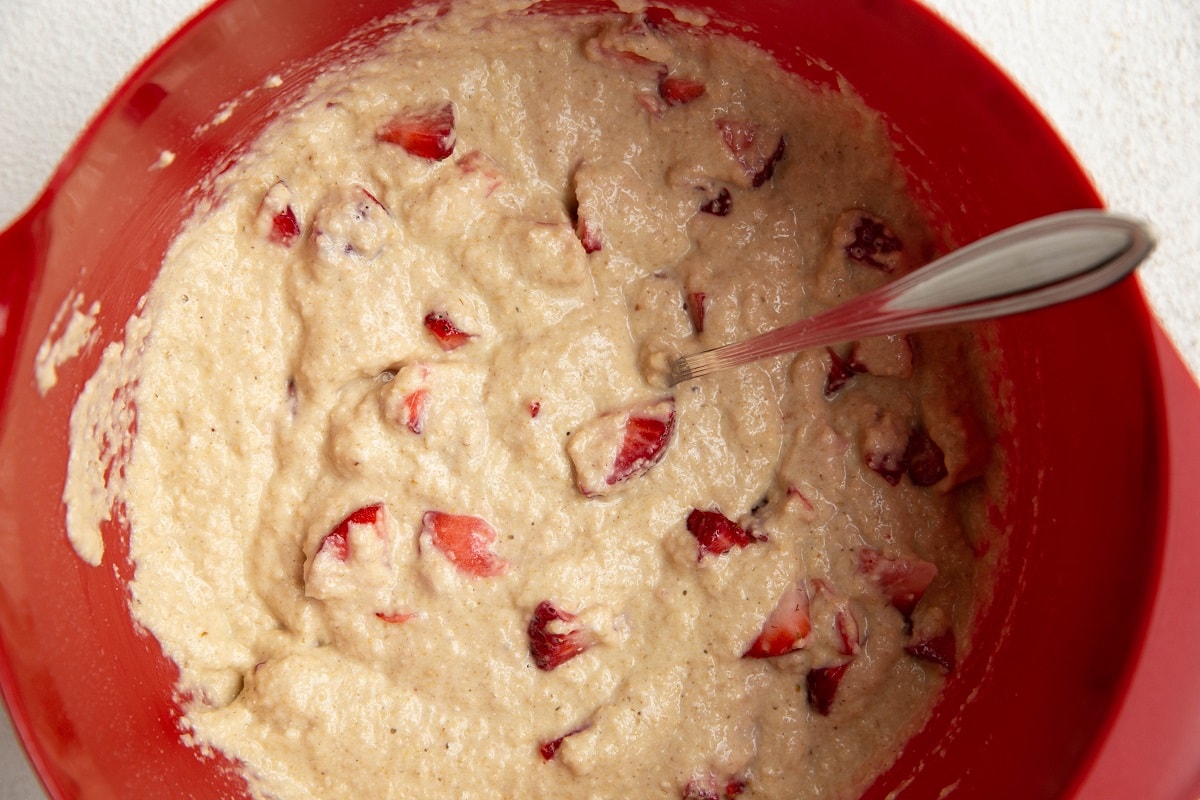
{"points": [[408, 501]]}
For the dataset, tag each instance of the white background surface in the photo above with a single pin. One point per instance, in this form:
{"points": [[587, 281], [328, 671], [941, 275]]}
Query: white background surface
{"points": [[1119, 79]]}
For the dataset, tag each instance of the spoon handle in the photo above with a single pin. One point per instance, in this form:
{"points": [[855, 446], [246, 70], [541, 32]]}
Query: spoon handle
{"points": [[1038, 263]]}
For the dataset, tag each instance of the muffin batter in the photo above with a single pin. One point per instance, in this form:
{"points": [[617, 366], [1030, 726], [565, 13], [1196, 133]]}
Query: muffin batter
{"points": [[409, 503]]}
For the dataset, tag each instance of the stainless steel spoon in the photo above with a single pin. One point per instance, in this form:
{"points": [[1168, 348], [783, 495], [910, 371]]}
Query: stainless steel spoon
{"points": [[1038, 263]]}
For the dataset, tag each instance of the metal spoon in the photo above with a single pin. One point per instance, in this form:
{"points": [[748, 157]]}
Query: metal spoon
{"points": [[1038, 263]]}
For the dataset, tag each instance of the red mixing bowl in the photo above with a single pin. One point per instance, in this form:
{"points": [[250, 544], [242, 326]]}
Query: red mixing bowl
{"points": [[1084, 681]]}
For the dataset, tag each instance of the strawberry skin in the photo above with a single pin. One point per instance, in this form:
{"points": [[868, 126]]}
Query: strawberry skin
{"points": [[337, 542], [822, 684], [903, 579], [414, 409], [449, 336], [872, 242], [551, 649], [697, 309], [424, 133], [718, 534], [284, 228], [940, 650], [786, 627], [550, 748], [677, 91], [644, 443], [465, 541], [620, 445]]}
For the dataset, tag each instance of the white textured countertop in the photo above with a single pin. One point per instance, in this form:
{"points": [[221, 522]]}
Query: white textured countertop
{"points": [[1117, 79]]}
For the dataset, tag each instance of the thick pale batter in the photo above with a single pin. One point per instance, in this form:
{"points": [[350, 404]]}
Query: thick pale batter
{"points": [[408, 502]]}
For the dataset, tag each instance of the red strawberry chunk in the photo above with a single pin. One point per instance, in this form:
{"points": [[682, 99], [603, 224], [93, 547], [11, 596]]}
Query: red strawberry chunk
{"points": [[395, 617], [709, 787], [588, 236], [831, 615], [939, 649], [535, 408], [697, 306], [483, 166], [464, 540], [786, 627], [552, 648], [889, 465], [425, 133], [276, 216], [414, 409], [840, 372], [718, 534], [550, 749], [677, 91], [618, 446], [337, 542], [448, 335], [822, 684], [903, 578], [719, 206], [644, 443], [749, 144], [926, 462], [873, 243], [284, 227], [658, 18]]}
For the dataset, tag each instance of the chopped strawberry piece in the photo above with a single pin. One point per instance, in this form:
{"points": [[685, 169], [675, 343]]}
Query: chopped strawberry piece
{"points": [[701, 789], [644, 444], [831, 614], [939, 649], [607, 49], [587, 236], [798, 496], [425, 133], [719, 206], [284, 227], [903, 579], [414, 409], [677, 91], [653, 104], [823, 684], [696, 309], [464, 540], [395, 617], [483, 166], [718, 534], [276, 218], [550, 749], [337, 542], [891, 466], [659, 18], [786, 627], [873, 243], [840, 372], [767, 171], [448, 335], [535, 408], [551, 648], [746, 141], [617, 446], [709, 787], [926, 462]]}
